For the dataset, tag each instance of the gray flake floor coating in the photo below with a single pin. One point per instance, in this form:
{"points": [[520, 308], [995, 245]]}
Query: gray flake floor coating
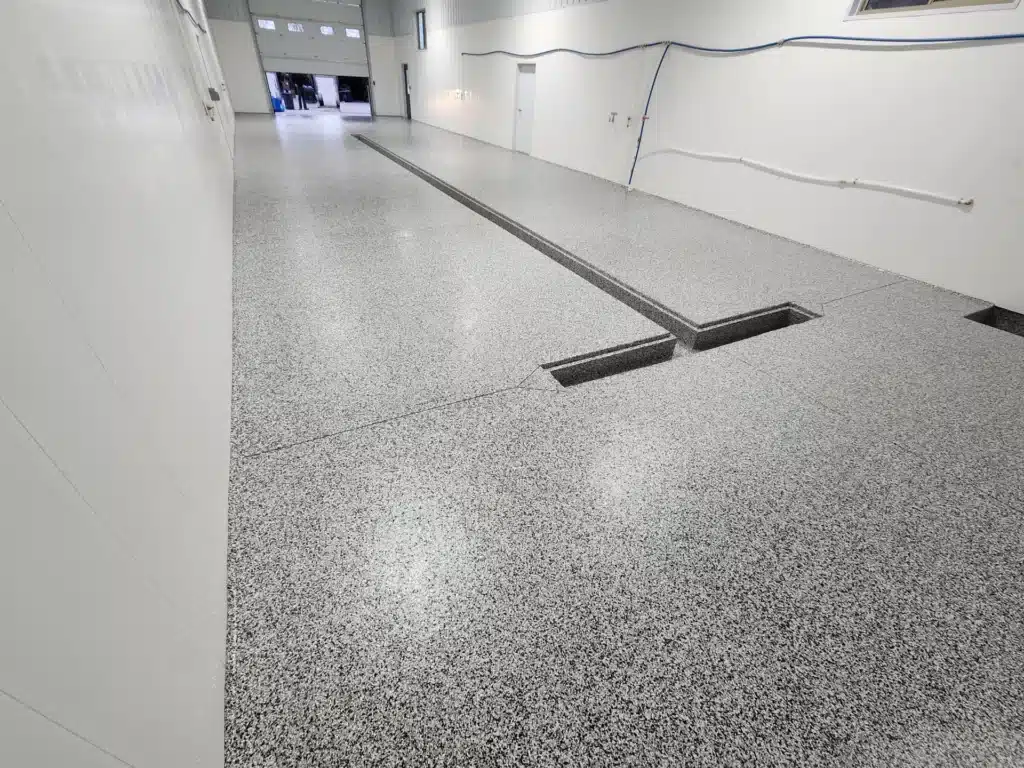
{"points": [[703, 267], [362, 293], [801, 549]]}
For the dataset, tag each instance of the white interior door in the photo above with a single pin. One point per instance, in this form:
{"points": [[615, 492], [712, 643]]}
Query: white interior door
{"points": [[526, 91]]}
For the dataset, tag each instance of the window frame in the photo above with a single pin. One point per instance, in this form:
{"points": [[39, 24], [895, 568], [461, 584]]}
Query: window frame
{"points": [[348, 33], [326, 30], [421, 29], [934, 7], [267, 24]]}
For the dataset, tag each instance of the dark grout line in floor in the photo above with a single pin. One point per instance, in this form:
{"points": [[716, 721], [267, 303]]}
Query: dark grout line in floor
{"points": [[527, 377], [858, 293], [697, 335], [376, 423]]}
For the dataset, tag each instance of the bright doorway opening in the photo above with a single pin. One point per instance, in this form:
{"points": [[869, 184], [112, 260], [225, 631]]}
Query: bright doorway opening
{"points": [[296, 91]]}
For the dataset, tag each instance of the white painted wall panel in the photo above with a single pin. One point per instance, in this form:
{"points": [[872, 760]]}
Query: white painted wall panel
{"points": [[91, 644], [115, 331], [377, 17], [243, 72], [228, 10], [451, 13], [29, 739], [387, 77], [944, 120]]}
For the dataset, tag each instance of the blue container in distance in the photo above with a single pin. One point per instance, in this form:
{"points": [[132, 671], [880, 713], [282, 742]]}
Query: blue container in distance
{"points": [[278, 104]]}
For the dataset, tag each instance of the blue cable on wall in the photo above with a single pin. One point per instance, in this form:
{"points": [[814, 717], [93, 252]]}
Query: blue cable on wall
{"points": [[669, 44], [762, 46]]}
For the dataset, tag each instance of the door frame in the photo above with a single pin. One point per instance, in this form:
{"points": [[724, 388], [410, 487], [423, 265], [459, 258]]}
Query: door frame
{"points": [[371, 88], [526, 66]]}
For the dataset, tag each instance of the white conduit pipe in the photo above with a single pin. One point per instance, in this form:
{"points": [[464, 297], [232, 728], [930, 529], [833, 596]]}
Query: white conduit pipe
{"points": [[961, 202]]}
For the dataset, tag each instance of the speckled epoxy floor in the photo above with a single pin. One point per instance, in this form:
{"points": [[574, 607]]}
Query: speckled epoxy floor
{"points": [[801, 549], [702, 266], [362, 293]]}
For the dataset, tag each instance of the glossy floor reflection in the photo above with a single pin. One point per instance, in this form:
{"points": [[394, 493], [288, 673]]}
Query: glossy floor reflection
{"points": [[362, 293], [801, 549], [702, 266]]}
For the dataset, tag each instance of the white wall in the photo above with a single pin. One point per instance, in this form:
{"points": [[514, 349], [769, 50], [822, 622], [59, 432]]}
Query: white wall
{"points": [[273, 85], [387, 77], [243, 73], [328, 89], [206, 69], [452, 13], [945, 120], [377, 17], [115, 361], [228, 10]]}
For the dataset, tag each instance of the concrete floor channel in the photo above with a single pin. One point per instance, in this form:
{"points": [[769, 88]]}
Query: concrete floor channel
{"points": [[529, 471], [998, 317], [694, 335]]}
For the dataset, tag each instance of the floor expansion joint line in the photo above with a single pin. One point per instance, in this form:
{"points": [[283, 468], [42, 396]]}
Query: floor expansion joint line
{"points": [[692, 334], [860, 293], [376, 423], [528, 376]]}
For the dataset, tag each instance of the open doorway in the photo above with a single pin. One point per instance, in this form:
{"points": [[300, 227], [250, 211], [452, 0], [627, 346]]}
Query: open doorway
{"points": [[295, 91], [354, 96]]}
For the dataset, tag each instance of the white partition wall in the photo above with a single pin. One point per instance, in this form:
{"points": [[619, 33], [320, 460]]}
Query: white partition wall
{"points": [[240, 60], [387, 76], [232, 33], [115, 342]]}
